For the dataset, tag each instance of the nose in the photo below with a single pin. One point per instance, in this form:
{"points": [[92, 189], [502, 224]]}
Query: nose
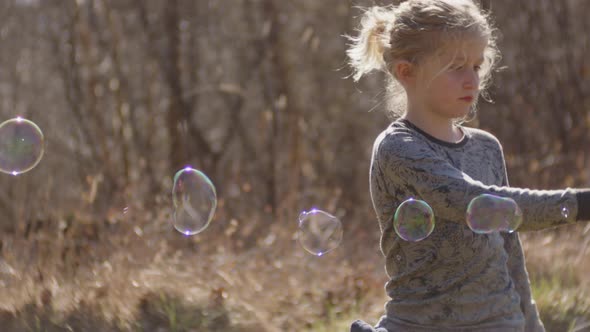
{"points": [[471, 80]]}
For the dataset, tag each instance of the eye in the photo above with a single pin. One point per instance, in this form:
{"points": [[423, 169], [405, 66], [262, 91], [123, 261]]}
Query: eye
{"points": [[477, 68]]}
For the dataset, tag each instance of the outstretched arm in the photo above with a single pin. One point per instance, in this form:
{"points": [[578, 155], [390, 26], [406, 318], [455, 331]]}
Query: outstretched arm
{"points": [[448, 190]]}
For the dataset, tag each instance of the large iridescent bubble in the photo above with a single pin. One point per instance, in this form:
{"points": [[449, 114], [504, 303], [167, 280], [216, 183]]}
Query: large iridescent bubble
{"points": [[413, 220], [21, 146], [319, 232], [195, 200], [488, 213]]}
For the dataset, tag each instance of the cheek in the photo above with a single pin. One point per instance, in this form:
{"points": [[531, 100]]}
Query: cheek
{"points": [[447, 85], [451, 79]]}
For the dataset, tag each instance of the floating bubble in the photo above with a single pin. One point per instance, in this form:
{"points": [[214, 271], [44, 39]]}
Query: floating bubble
{"points": [[21, 146], [488, 213], [565, 212], [319, 232], [413, 220], [195, 200]]}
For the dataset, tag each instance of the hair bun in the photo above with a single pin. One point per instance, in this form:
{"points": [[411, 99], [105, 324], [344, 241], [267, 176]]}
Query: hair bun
{"points": [[366, 51]]}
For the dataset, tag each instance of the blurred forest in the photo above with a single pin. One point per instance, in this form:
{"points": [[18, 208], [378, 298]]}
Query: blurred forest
{"points": [[256, 94]]}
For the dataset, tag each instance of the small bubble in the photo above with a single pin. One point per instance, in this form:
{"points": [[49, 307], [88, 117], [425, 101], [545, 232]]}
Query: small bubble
{"points": [[413, 220], [195, 200], [565, 212], [21, 146], [319, 232], [489, 213]]}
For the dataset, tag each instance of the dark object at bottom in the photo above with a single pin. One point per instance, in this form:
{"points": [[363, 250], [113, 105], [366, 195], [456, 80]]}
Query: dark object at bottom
{"points": [[360, 326]]}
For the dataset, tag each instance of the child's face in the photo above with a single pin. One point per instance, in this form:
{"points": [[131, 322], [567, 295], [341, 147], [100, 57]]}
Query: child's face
{"points": [[449, 81]]}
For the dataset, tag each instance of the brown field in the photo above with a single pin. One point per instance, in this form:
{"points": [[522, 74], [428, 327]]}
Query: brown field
{"points": [[132, 272]]}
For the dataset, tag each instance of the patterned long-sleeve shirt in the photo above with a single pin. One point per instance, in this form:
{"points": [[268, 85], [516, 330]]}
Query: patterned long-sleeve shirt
{"points": [[455, 279]]}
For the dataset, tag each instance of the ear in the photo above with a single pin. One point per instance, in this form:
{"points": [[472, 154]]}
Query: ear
{"points": [[404, 71]]}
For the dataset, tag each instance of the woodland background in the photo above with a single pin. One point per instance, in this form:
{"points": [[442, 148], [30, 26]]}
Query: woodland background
{"points": [[256, 94]]}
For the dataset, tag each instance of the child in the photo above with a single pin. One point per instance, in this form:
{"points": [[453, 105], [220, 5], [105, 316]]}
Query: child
{"points": [[438, 55]]}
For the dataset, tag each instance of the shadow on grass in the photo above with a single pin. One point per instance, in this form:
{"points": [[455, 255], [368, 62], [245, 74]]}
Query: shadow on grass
{"points": [[165, 312], [159, 312], [32, 317]]}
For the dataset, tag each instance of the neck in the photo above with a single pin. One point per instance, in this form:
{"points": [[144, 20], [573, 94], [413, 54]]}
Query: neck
{"points": [[437, 126]]}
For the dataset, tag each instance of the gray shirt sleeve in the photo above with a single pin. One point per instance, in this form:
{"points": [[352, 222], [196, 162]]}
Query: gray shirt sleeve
{"points": [[448, 190]]}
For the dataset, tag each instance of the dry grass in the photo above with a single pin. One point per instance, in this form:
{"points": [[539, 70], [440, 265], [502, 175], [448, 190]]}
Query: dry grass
{"points": [[134, 273], [557, 263]]}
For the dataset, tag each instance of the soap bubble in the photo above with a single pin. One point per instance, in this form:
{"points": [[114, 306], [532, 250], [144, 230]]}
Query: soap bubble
{"points": [[487, 213], [21, 146], [413, 220], [319, 232], [195, 200], [565, 212]]}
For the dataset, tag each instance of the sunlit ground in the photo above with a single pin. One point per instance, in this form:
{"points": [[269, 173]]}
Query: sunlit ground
{"points": [[133, 272]]}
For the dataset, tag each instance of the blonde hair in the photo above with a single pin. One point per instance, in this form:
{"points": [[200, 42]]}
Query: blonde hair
{"points": [[413, 31]]}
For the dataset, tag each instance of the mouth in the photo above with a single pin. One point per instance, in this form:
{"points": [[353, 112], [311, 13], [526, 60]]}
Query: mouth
{"points": [[467, 99]]}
